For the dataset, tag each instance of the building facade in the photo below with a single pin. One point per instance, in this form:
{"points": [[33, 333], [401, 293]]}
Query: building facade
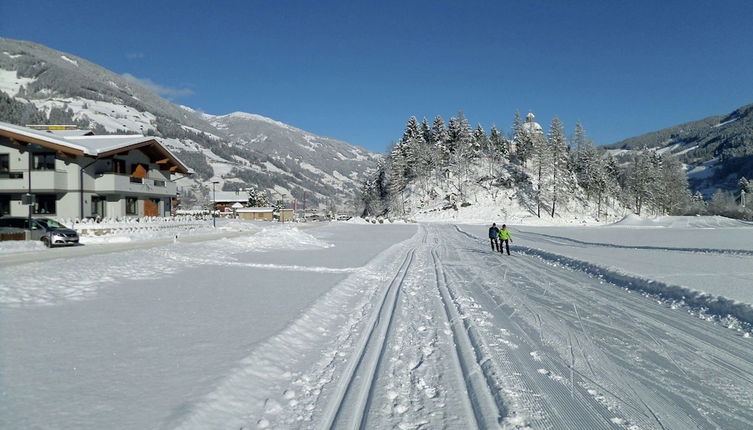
{"points": [[74, 174]]}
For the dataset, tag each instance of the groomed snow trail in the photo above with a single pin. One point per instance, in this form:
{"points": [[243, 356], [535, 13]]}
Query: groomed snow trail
{"points": [[440, 332]]}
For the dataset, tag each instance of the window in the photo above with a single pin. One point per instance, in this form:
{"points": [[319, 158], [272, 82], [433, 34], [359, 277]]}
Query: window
{"points": [[45, 204], [4, 205], [5, 168], [132, 206], [118, 166], [98, 206], [15, 222], [44, 161]]}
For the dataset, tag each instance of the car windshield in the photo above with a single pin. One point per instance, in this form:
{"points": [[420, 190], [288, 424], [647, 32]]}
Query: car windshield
{"points": [[50, 223]]}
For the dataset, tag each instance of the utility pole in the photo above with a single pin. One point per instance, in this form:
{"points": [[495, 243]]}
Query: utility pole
{"points": [[29, 195], [214, 204]]}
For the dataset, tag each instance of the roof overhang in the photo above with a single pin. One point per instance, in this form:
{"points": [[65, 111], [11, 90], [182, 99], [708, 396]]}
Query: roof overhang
{"points": [[91, 146], [158, 153], [55, 146]]}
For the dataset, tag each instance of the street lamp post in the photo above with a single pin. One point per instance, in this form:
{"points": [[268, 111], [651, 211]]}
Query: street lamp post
{"points": [[214, 203]]}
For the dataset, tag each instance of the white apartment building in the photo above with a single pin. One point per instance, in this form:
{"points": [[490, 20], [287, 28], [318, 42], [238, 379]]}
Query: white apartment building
{"points": [[63, 173]]}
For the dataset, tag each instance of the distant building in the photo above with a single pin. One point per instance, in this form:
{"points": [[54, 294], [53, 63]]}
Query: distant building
{"points": [[286, 215], [63, 172], [530, 127], [223, 200], [256, 214]]}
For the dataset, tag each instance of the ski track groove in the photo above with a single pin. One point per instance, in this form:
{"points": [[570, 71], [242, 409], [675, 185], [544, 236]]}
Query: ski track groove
{"points": [[553, 416], [559, 240], [674, 394], [354, 393], [487, 407], [619, 376]]}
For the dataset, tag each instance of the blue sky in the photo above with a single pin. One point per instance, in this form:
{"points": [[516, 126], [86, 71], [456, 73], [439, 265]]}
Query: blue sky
{"points": [[357, 71]]}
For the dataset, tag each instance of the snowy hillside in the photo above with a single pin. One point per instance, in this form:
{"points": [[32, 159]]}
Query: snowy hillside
{"points": [[240, 150], [500, 198], [717, 151]]}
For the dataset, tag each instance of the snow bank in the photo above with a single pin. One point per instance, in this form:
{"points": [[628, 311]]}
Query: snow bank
{"points": [[717, 305], [12, 246], [55, 283], [633, 220]]}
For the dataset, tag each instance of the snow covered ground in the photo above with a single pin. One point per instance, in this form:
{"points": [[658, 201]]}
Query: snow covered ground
{"points": [[394, 325]]}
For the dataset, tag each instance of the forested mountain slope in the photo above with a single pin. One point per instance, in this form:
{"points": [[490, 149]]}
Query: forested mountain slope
{"points": [[718, 150]]}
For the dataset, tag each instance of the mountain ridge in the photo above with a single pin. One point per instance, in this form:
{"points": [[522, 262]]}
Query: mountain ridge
{"points": [[239, 149], [717, 150]]}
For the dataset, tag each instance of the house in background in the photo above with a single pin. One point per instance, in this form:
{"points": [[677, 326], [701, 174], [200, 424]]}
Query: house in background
{"points": [[256, 214], [223, 201], [68, 173]]}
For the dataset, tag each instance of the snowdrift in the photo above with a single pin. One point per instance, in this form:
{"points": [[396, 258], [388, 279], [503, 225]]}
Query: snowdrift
{"points": [[633, 220]]}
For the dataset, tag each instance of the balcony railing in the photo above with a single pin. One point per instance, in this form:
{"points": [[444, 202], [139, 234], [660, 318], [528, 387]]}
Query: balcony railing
{"points": [[117, 183], [41, 180]]}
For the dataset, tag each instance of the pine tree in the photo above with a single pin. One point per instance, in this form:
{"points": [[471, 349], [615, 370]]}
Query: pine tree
{"points": [[497, 149], [480, 143], [398, 178], [643, 178], [517, 129], [439, 139], [497, 142], [559, 158], [580, 137], [426, 132], [453, 136], [413, 149], [672, 193]]}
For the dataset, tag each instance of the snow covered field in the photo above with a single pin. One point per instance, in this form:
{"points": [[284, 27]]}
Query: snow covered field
{"points": [[346, 325]]}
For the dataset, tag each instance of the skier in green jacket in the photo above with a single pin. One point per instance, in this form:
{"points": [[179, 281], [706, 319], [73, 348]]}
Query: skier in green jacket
{"points": [[504, 239]]}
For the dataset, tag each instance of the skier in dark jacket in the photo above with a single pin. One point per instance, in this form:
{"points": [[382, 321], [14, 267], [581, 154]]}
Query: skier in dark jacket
{"points": [[493, 234], [504, 239]]}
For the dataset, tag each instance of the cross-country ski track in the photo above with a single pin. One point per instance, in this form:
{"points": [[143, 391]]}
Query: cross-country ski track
{"points": [[462, 337], [393, 326]]}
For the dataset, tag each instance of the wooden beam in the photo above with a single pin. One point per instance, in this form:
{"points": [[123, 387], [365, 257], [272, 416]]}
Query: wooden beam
{"points": [[22, 140], [163, 161]]}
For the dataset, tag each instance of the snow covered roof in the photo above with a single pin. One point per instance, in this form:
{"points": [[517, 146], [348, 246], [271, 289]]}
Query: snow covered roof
{"points": [[255, 210], [531, 126], [230, 196], [72, 142], [72, 132]]}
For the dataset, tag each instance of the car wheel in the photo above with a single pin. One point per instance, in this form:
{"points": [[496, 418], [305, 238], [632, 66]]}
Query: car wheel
{"points": [[46, 242]]}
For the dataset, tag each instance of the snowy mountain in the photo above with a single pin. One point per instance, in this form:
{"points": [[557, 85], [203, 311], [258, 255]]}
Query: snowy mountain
{"points": [[42, 85], [717, 150]]}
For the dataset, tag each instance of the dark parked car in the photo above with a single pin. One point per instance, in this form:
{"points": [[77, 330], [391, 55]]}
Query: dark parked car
{"points": [[49, 231]]}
